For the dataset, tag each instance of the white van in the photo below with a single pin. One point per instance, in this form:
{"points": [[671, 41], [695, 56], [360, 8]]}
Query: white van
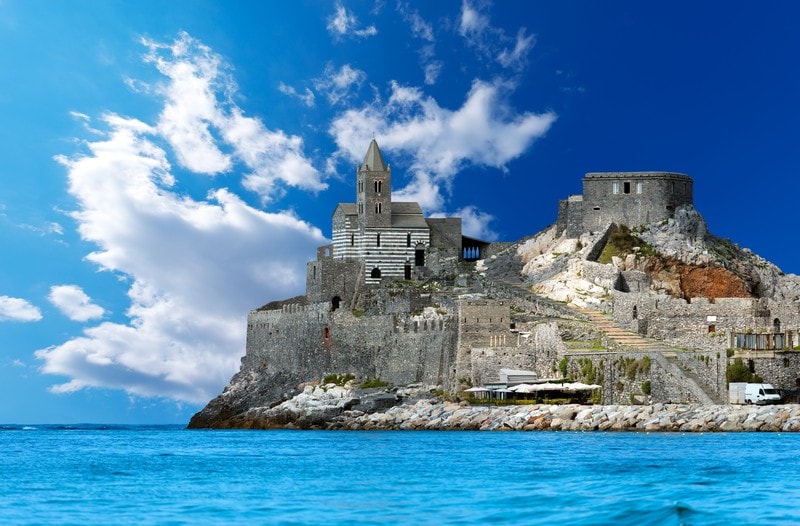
{"points": [[761, 394]]}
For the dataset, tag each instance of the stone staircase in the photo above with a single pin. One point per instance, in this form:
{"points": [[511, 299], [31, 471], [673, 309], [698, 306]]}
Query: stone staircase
{"points": [[628, 340], [664, 355]]}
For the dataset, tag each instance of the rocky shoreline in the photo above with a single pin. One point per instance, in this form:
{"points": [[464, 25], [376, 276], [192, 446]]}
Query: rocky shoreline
{"points": [[334, 407]]}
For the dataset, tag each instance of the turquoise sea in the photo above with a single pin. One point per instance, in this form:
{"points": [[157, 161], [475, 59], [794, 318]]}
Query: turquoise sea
{"points": [[169, 475]]}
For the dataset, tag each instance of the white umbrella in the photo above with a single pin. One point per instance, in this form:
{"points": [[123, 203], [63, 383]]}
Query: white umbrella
{"points": [[476, 390], [547, 386]]}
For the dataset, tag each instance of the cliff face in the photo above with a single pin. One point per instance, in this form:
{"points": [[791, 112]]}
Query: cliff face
{"points": [[677, 257]]}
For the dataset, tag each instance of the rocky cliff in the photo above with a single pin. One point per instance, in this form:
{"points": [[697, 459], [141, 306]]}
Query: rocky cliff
{"points": [[679, 257]]}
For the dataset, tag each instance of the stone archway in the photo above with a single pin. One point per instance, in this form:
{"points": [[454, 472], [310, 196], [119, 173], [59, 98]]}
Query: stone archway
{"points": [[376, 273]]}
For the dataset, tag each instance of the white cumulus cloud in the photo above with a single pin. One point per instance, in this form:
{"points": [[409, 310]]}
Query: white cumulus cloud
{"points": [[194, 266], [439, 141], [199, 107], [17, 309], [73, 302]]}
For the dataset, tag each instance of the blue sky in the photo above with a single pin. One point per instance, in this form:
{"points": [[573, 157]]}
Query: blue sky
{"points": [[169, 166]]}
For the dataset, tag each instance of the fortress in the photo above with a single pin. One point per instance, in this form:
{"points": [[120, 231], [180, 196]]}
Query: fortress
{"points": [[628, 198], [407, 299]]}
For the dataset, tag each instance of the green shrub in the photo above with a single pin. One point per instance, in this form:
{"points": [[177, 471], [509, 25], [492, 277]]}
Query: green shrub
{"points": [[374, 382], [739, 372], [646, 387], [563, 365]]}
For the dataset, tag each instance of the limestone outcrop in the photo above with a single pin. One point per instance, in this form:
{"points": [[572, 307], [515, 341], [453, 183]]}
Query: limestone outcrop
{"points": [[678, 256]]}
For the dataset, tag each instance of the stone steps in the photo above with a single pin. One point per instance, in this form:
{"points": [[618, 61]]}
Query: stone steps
{"points": [[635, 342]]}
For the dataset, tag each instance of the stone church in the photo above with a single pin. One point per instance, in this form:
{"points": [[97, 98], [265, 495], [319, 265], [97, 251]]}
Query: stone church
{"points": [[377, 238]]}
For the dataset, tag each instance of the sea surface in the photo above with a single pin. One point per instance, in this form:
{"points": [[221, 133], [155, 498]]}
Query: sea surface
{"points": [[169, 475]]}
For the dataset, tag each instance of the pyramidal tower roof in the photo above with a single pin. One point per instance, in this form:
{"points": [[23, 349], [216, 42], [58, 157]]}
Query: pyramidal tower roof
{"points": [[373, 161]]}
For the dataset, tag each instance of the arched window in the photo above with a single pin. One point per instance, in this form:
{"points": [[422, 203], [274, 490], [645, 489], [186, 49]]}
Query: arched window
{"points": [[378, 240], [352, 240], [635, 312], [335, 301], [408, 239], [378, 207], [776, 326], [376, 273]]}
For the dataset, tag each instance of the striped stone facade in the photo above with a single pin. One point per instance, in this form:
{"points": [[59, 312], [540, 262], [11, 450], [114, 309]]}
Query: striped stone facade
{"points": [[390, 238]]}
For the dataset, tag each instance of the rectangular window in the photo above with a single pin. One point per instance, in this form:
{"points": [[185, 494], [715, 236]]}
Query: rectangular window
{"points": [[378, 208], [379, 239], [639, 186], [626, 187], [615, 187]]}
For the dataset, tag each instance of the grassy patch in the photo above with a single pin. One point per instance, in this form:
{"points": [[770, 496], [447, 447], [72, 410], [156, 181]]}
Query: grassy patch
{"points": [[621, 242], [374, 382]]}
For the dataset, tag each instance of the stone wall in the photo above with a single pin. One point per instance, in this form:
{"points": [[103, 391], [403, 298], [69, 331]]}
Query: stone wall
{"points": [[481, 323], [327, 278], [312, 341], [633, 198], [621, 374], [445, 232], [570, 216], [537, 351], [780, 368], [700, 324]]}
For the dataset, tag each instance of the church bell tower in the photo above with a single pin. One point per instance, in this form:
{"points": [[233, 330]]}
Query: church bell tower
{"points": [[374, 190]]}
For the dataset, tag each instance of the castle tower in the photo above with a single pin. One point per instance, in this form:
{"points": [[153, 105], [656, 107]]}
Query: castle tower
{"points": [[374, 190]]}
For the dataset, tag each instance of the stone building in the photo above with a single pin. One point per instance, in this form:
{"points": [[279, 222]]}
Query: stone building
{"points": [[377, 239], [628, 198], [391, 238]]}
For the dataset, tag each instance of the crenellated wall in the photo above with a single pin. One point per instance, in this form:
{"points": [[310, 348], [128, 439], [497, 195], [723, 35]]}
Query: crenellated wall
{"points": [[313, 341]]}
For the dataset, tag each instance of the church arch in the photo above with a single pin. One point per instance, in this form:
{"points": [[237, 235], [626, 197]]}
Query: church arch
{"points": [[376, 273]]}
